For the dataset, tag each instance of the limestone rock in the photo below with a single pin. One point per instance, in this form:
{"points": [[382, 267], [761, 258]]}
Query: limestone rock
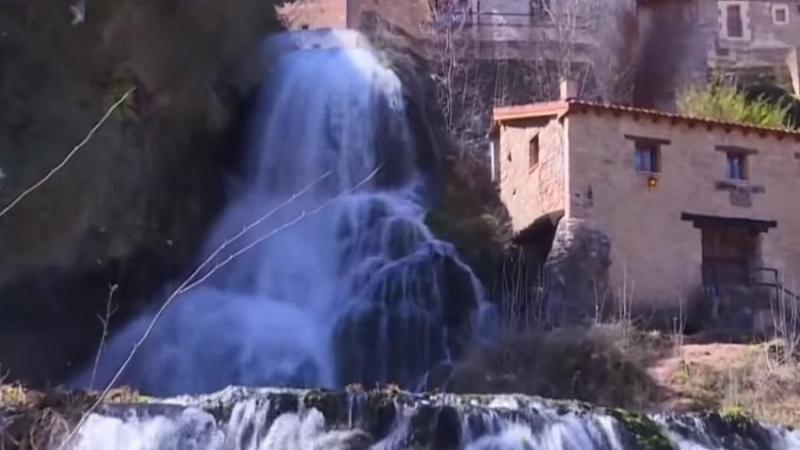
{"points": [[576, 270]]}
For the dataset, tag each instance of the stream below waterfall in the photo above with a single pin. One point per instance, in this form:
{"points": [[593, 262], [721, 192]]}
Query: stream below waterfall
{"points": [[249, 419]]}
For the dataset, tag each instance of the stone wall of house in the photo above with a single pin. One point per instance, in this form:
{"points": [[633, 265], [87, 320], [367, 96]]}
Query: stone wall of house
{"points": [[532, 192], [314, 14], [656, 255], [411, 16]]}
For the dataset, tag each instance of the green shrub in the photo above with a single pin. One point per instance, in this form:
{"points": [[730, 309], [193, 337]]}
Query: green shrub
{"points": [[729, 104]]}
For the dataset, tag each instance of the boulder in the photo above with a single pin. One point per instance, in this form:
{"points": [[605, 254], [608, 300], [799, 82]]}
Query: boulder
{"points": [[576, 270]]}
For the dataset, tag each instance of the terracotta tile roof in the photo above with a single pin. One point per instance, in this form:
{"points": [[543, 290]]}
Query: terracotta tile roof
{"points": [[563, 108]]}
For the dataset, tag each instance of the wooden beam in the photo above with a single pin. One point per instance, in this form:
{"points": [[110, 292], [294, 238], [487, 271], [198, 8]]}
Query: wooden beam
{"points": [[702, 221], [648, 139], [736, 149]]}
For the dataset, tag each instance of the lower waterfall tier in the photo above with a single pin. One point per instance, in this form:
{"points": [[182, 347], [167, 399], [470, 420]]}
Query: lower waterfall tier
{"points": [[269, 419]]}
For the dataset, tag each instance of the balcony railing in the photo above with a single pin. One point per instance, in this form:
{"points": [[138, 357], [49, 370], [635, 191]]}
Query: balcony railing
{"points": [[465, 19]]}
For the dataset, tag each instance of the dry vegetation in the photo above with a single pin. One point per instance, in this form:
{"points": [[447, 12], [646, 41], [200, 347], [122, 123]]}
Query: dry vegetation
{"points": [[732, 377], [620, 366], [40, 420], [604, 364]]}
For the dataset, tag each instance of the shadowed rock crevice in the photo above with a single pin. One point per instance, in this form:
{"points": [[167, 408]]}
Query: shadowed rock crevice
{"points": [[133, 206]]}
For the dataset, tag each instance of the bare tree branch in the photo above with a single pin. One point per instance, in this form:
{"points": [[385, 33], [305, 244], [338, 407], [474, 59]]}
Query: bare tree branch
{"points": [[69, 156], [105, 320], [193, 281]]}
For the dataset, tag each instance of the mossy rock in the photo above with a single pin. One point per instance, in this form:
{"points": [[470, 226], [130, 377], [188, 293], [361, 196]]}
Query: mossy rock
{"points": [[376, 411], [332, 405], [736, 420], [735, 416], [646, 433]]}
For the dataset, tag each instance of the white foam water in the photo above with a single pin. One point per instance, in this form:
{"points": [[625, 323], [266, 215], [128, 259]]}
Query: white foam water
{"points": [[254, 424]]}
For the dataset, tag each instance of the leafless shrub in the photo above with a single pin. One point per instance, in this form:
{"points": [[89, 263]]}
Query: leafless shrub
{"points": [[616, 308], [105, 320], [785, 309], [679, 329], [520, 293], [48, 431]]}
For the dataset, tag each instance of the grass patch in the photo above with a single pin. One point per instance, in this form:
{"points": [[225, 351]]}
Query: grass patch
{"points": [[754, 388], [729, 104]]}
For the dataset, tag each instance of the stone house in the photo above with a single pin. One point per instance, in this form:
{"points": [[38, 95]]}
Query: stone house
{"points": [[662, 210]]}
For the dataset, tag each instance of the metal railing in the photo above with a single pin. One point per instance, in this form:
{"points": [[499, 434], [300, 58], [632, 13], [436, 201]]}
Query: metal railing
{"points": [[719, 272], [776, 283], [471, 20]]}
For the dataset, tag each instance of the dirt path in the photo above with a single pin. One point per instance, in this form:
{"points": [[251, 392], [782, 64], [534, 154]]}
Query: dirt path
{"points": [[683, 372]]}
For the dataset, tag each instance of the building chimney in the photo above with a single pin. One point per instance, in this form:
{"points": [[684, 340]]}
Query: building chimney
{"points": [[568, 88], [793, 60]]}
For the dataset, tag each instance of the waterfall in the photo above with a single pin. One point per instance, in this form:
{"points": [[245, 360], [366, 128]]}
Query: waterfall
{"points": [[239, 419], [355, 288]]}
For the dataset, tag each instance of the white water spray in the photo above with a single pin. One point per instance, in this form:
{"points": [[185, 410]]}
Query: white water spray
{"points": [[359, 291], [282, 420]]}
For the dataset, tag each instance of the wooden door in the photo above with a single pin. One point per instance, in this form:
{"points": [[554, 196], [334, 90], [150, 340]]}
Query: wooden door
{"points": [[728, 255]]}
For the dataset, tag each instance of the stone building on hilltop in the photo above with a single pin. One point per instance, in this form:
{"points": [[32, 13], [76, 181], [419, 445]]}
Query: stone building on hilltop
{"points": [[667, 212], [487, 29], [757, 40], [664, 43], [407, 16]]}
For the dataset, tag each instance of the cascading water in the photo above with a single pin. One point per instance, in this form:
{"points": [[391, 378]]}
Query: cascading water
{"points": [[239, 419], [353, 287]]}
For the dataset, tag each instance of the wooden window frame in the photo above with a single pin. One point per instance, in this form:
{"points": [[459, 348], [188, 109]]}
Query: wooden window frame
{"points": [[744, 166], [741, 23], [785, 9], [534, 152], [650, 145], [651, 153]]}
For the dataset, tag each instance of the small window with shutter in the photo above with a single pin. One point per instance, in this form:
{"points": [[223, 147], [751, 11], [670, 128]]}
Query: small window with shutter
{"points": [[734, 21], [533, 152], [737, 166], [780, 14], [647, 157]]}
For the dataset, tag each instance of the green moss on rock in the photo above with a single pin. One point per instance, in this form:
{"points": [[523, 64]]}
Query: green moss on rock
{"points": [[735, 416], [647, 434]]}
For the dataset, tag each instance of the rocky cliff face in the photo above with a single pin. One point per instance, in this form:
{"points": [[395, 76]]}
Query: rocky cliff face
{"points": [[134, 204]]}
